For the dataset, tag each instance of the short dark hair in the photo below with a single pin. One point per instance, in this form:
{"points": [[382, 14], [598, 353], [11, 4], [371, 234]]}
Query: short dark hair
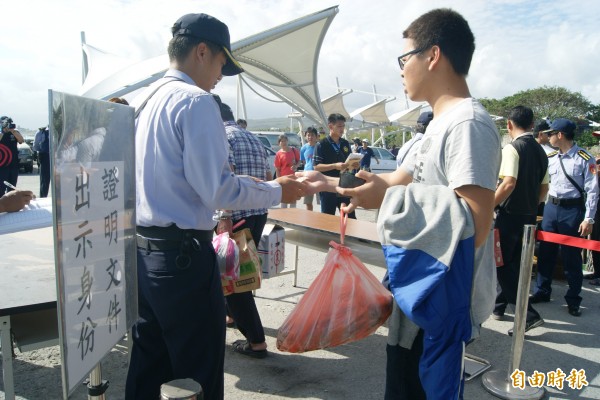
{"points": [[282, 137], [521, 116], [180, 47], [448, 30], [241, 121], [313, 130], [333, 118]]}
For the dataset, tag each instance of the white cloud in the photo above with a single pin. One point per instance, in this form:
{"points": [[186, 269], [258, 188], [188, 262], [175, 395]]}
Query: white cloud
{"points": [[521, 44]]}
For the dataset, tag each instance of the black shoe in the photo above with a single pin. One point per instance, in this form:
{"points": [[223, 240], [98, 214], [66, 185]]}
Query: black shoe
{"points": [[497, 315], [539, 298], [529, 325], [575, 311]]}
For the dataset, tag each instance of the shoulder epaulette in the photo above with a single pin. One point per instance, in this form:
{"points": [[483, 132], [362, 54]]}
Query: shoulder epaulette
{"points": [[583, 154], [552, 154]]}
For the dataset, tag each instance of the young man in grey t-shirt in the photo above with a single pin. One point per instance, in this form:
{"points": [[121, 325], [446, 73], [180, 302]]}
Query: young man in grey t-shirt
{"points": [[461, 151]]}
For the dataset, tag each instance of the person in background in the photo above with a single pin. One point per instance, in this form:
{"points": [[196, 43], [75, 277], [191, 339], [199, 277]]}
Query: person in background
{"points": [[540, 135], [570, 210], [356, 144], [367, 152], [10, 138], [330, 159], [247, 156], [322, 134], [180, 332], [242, 123], [595, 276], [394, 150], [422, 123], [524, 184], [41, 144], [306, 156], [286, 162], [15, 200]]}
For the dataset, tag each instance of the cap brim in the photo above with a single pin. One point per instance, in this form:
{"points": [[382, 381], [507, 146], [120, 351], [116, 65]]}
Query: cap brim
{"points": [[232, 66], [548, 130]]}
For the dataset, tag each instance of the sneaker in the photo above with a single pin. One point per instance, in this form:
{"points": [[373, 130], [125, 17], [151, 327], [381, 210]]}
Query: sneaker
{"points": [[539, 298], [529, 325], [497, 315]]}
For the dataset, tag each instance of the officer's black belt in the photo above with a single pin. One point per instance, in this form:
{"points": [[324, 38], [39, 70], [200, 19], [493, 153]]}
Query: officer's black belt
{"points": [[172, 232], [565, 202]]}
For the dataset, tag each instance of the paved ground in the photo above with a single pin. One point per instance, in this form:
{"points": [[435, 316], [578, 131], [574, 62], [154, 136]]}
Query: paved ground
{"points": [[353, 371]]}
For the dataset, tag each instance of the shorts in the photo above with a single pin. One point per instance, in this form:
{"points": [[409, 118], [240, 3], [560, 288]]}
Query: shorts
{"points": [[308, 199]]}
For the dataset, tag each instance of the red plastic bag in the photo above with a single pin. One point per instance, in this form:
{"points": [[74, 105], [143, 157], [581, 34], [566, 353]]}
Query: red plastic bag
{"points": [[345, 303]]}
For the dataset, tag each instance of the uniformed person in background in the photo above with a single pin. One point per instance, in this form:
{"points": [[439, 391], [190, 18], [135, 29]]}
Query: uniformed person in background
{"points": [[571, 206]]}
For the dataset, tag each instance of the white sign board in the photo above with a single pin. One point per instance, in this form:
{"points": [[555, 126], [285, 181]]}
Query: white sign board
{"points": [[94, 222]]}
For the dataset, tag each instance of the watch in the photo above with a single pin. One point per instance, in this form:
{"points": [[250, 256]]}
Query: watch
{"points": [[589, 220]]}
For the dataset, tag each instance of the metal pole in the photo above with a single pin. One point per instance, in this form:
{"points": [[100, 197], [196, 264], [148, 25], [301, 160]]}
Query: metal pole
{"points": [[499, 383], [96, 386], [181, 389]]}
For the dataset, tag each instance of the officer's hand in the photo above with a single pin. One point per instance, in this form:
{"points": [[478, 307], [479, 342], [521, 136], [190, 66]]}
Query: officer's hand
{"points": [[585, 228]]}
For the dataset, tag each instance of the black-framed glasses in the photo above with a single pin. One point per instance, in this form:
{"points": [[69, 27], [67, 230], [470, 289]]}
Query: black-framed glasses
{"points": [[402, 62]]}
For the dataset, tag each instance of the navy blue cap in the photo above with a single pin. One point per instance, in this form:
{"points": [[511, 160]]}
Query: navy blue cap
{"points": [[209, 28], [562, 125], [425, 118]]}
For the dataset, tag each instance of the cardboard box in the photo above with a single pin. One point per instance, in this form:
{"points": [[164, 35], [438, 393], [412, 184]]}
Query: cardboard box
{"points": [[271, 250]]}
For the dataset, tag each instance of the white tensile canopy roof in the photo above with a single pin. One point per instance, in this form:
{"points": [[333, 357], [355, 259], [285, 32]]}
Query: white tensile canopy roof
{"points": [[282, 60], [335, 104], [373, 113]]}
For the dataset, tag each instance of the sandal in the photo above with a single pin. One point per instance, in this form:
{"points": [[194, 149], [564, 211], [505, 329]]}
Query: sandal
{"points": [[595, 282], [243, 347]]}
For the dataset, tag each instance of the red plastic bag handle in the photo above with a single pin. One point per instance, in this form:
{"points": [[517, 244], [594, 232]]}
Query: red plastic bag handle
{"points": [[343, 221]]}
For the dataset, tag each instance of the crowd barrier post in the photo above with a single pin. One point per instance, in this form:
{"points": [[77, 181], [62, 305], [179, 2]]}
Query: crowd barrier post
{"points": [[181, 389], [497, 382], [96, 386]]}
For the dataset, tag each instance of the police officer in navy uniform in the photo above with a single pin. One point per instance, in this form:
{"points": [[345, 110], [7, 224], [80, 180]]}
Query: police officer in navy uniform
{"points": [[571, 206]]}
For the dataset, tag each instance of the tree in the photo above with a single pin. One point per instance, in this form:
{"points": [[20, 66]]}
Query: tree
{"points": [[546, 102], [550, 103]]}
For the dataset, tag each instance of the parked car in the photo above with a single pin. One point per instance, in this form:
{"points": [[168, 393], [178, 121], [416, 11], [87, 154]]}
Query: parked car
{"points": [[25, 157], [272, 137], [271, 159], [387, 161]]}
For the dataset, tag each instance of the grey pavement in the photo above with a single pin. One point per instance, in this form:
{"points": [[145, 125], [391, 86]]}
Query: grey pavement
{"points": [[355, 370]]}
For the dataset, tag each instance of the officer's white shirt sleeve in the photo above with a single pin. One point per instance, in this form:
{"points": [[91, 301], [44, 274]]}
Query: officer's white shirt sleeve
{"points": [[208, 171], [182, 167]]}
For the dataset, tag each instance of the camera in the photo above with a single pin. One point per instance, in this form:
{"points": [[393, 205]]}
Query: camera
{"points": [[7, 123]]}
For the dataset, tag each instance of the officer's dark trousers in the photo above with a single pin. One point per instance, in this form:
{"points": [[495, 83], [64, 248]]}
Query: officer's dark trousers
{"points": [[331, 201], [44, 173], [511, 228], [241, 306], [564, 220], [181, 328]]}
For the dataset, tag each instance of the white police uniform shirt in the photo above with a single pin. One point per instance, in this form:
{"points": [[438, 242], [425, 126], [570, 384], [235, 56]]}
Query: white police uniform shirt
{"points": [[182, 169], [581, 166]]}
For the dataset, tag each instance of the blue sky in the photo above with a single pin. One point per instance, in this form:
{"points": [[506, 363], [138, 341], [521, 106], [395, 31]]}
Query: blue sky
{"points": [[520, 45]]}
